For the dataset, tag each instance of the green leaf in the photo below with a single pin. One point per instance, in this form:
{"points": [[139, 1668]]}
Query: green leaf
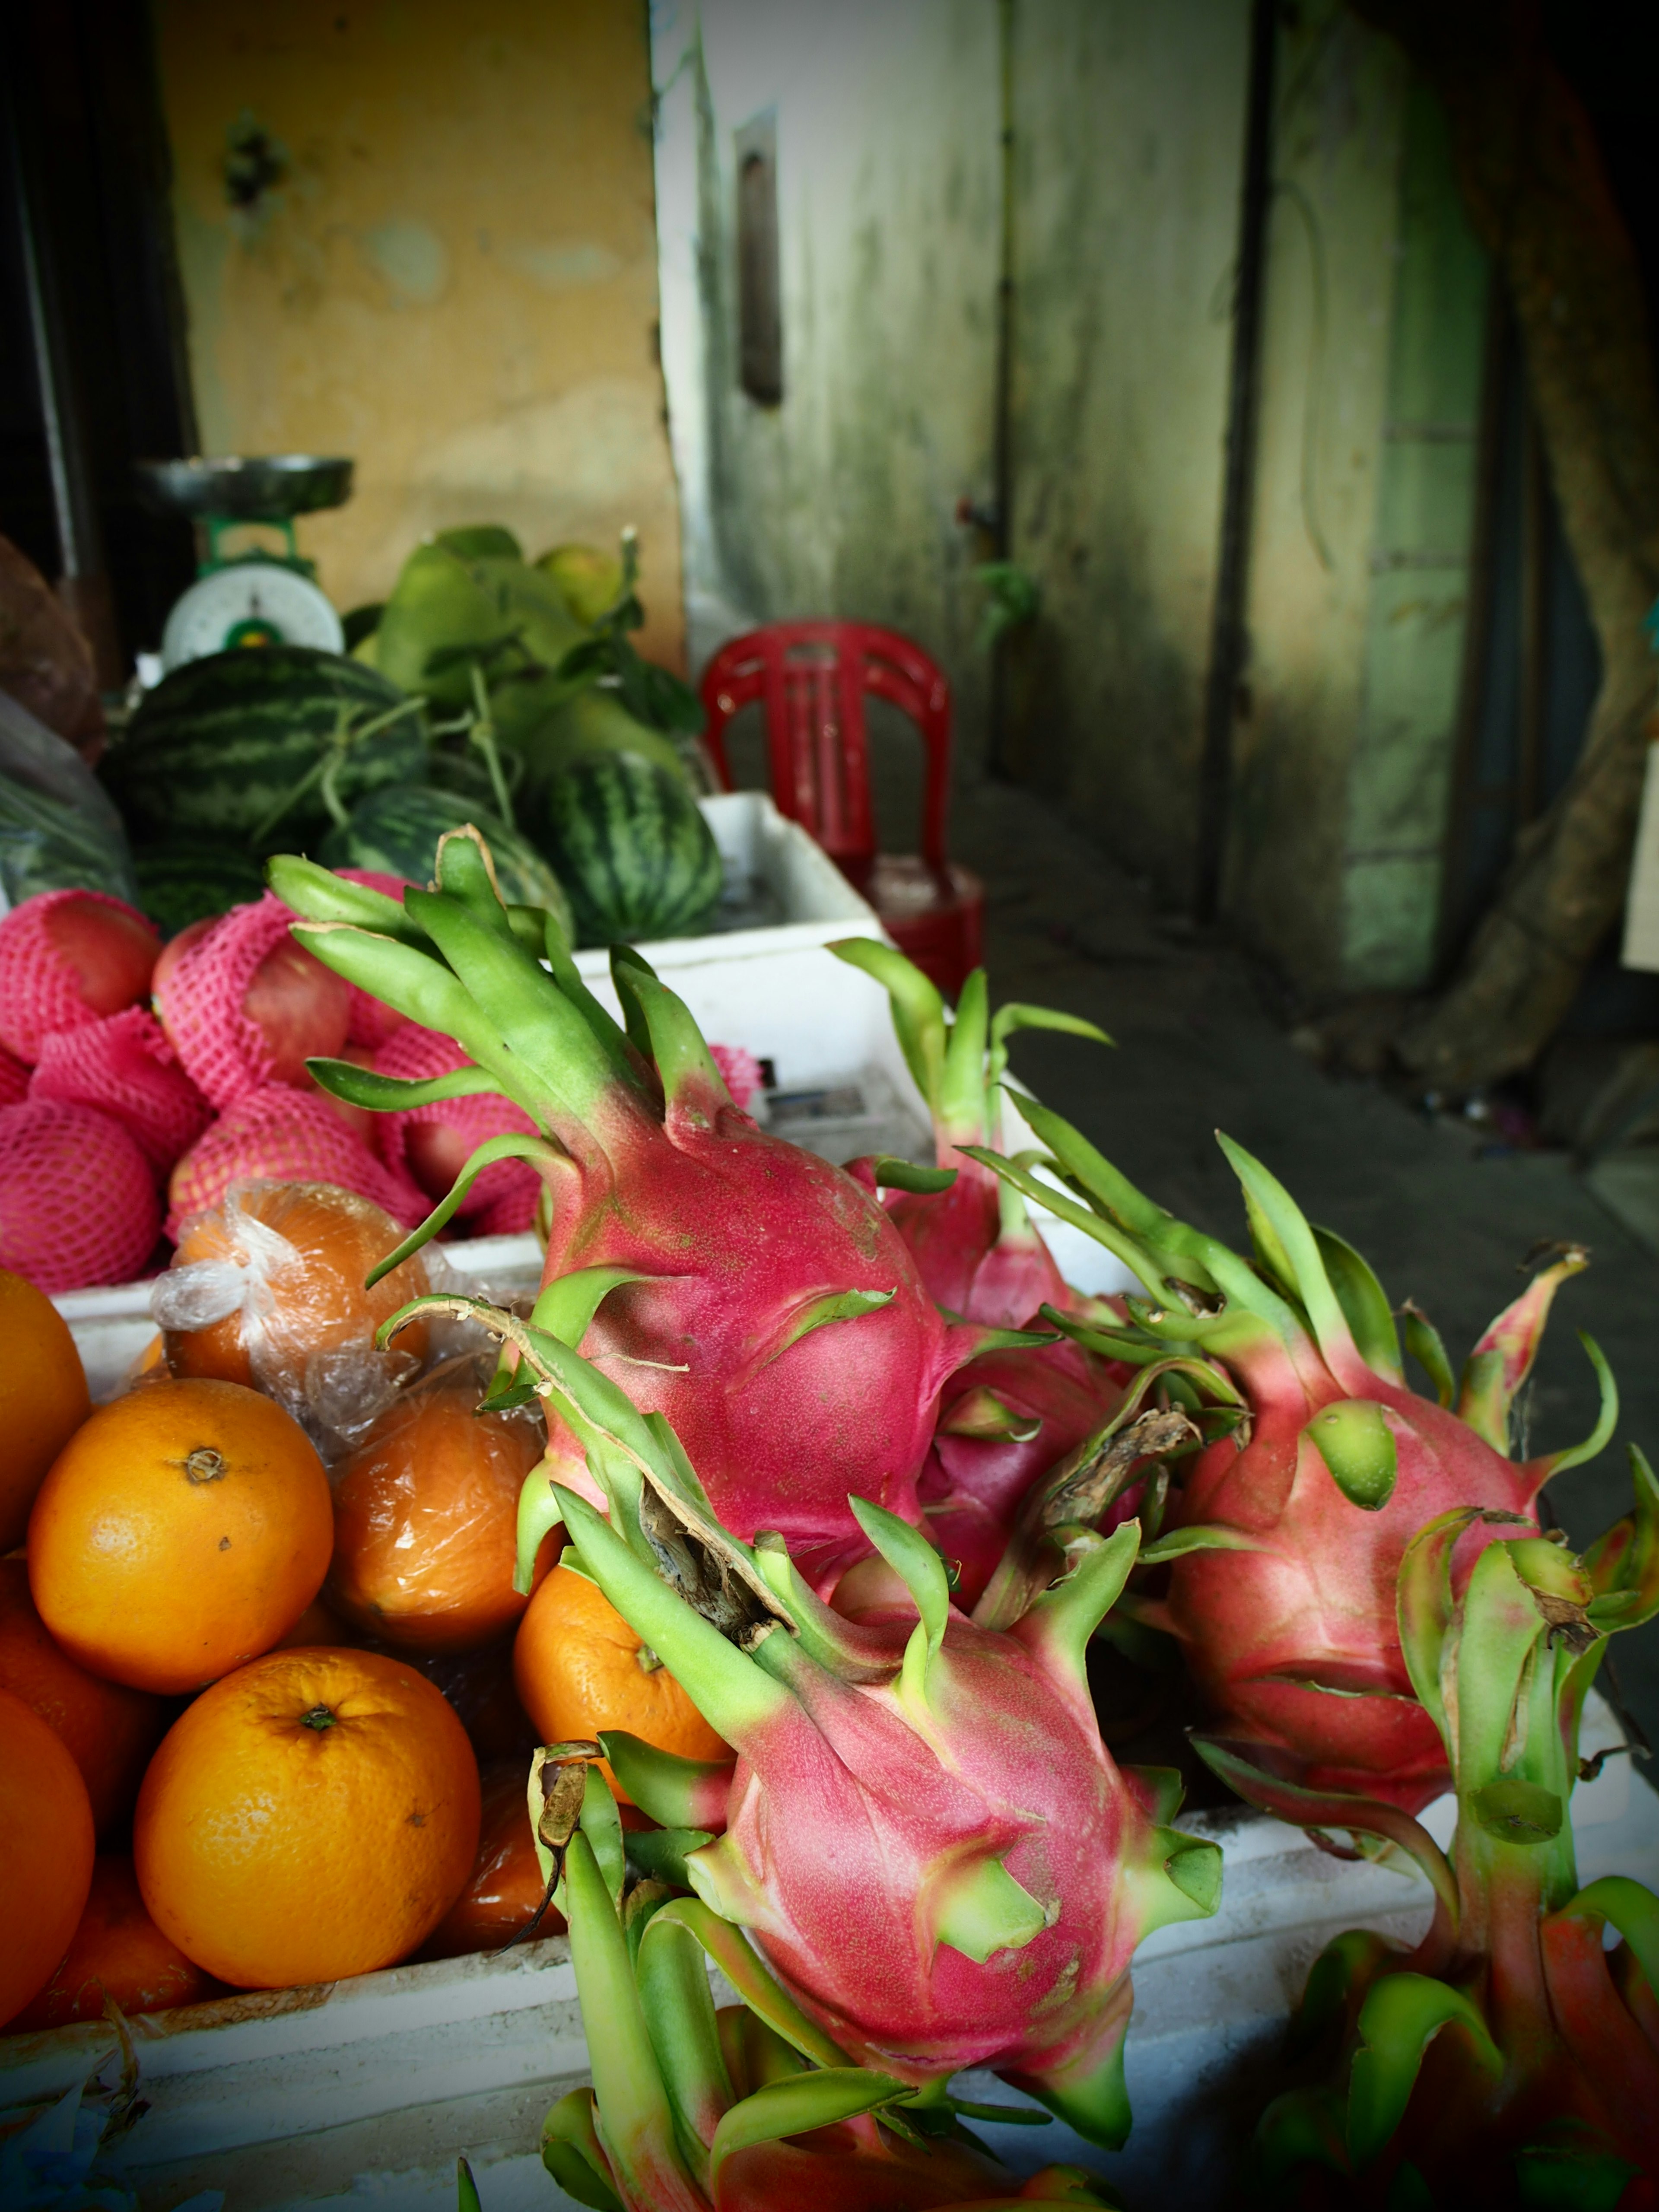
{"points": [[1364, 1301], [1276, 1215], [1607, 1419], [539, 1514], [1357, 1444], [905, 1174], [1347, 1966], [1399, 2020], [1633, 1908], [798, 2105], [317, 894], [961, 1083], [565, 1306], [1625, 1562], [466, 2189], [922, 1571], [1423, 1607], [680, 1793], [514, 1145], [679, 2013], [1423, 1342], [1303, 2127], [981, 1910], [660, 1854], [391, 1094], [1517, 1812], [753, 1982], [572, 2153], [819, 1312], [918, 1009], [1198, 1537]]}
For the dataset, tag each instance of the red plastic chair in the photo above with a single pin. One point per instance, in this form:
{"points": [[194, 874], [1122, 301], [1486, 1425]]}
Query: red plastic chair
{"points": [[810, 679]]}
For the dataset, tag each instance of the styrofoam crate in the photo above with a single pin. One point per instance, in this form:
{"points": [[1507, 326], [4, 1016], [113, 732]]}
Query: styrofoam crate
{"points": [[364, 2091]]}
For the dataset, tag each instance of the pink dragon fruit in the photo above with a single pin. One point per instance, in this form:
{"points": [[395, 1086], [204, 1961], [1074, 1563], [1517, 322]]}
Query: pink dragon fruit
{"points": [[1293, 1640], [749, 1292], [922, 1831], [124, 1066], [741, 2110], [1010, 1416]]}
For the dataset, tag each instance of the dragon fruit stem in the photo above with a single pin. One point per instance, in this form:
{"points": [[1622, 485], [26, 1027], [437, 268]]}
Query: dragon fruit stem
{"points": [[679, 2015], [676, 1792]]}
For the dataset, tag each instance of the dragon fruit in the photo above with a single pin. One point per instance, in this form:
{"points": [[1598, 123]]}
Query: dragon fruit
{"points": [[1014, 1412], [1511, 2060], [1292, 1640], [922, 1831], [740, 2110], [751, 1292]]}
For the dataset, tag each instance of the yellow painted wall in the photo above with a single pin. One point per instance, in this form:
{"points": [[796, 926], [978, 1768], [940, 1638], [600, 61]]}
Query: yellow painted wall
{"points": [[454, 281]]}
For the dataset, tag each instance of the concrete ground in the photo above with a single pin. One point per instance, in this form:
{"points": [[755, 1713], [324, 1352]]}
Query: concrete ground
{"points": [[1444, 1215]]}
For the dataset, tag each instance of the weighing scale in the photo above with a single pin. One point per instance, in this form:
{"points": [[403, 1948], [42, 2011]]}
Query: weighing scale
{"points": [[253, 598]]}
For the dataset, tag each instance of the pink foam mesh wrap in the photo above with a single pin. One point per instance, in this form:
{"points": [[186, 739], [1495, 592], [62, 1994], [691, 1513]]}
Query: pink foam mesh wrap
{"points": [[503, 1201], [278, 1134], [224, 1053], [372, 1022], [14, 1077], [39, 990], [78, 1205], [741, 1071], [125, 1066]]}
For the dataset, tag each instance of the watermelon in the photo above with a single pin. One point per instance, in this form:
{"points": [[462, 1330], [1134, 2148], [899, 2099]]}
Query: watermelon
{"points": [[396, 833], [632, 849], [189, 879], [216, 747]]}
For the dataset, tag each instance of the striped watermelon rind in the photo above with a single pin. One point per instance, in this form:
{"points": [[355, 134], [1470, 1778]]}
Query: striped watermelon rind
{"points": [[188, 880], [396, 833], [632, 849], [219, 743]]}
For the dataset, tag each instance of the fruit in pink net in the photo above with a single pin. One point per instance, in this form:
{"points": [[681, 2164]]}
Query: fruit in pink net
{"points": [[14, 1077], [750, 1292], [77, 1199], [1293, 1640], [243, 1006], [68, 957], [432, 1144], [125, 1066], [281, 1135]]}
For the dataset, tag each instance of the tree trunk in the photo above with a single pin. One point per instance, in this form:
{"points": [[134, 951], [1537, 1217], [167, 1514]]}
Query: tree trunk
{"points": [[1538, 195]]}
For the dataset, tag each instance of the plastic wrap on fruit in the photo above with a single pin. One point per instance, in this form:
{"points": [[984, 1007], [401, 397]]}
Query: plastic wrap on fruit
{"points": [[271, 1288], [426, 1516]]}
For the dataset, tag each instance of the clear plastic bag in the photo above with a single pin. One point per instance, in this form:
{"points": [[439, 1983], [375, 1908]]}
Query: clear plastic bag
{"points": [[267, 1289], [58, 828]]}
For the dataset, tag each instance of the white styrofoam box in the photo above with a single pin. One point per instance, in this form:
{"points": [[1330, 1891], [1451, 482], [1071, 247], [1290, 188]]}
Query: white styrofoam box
{"points": [[364, 2091]]}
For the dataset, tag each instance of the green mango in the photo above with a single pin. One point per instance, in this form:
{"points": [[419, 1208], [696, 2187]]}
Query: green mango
{"points": [[472, 540], [591, 580], [446, 606], [592, 722]]}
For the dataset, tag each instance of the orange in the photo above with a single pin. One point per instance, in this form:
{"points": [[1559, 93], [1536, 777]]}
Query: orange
{"points": [[580, 1668], [108, 1731], [505, 1886], [317, 1301], [317, 1624], [43, 1398], [426, 1517], [313, 1815], [45, 1852], [118, 1951], [182, 1530]]}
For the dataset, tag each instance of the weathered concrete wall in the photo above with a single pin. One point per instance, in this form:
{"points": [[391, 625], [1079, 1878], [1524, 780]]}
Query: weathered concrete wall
{"points": [[840, 501], [453, 281], [1128, 134], [1363, 511]]}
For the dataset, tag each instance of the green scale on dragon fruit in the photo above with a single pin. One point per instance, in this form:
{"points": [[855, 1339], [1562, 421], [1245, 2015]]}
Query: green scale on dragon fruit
{"points": [[245, 747], [1012, 1414], [1510, 2060], [698, 2110], [396, 833], [632, 849], [922, 1831], [1292, 1640], [749, 1292]]}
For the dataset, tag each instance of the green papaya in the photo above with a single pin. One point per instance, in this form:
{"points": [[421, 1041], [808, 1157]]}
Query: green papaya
{"points": [[593, 722], [476, 540], [591, 580]]}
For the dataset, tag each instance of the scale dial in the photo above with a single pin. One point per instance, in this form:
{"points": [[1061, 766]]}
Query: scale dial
{"points": [[250, 603]]}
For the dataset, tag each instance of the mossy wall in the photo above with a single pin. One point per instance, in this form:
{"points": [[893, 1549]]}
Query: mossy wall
{"points": [[452, 276]]}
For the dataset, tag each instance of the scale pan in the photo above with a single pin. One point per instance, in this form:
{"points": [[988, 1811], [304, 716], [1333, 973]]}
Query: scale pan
{"points": [[244, 490]]}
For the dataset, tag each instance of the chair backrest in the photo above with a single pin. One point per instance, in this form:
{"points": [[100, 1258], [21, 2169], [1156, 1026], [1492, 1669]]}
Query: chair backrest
{"points": [[810, 678]]}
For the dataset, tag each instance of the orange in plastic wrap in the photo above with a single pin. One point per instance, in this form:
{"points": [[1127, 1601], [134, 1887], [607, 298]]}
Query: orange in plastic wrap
{"points": [[118, 1951], [426, 1516], [43, 1398], [268, 1289], [313, 1815], [506, 1885], [108, 1729], [45, 1853], [580, 1668], [180, 1532]]}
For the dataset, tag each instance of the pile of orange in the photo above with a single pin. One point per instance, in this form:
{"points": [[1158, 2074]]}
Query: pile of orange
{"points": [[244, 1706]]}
